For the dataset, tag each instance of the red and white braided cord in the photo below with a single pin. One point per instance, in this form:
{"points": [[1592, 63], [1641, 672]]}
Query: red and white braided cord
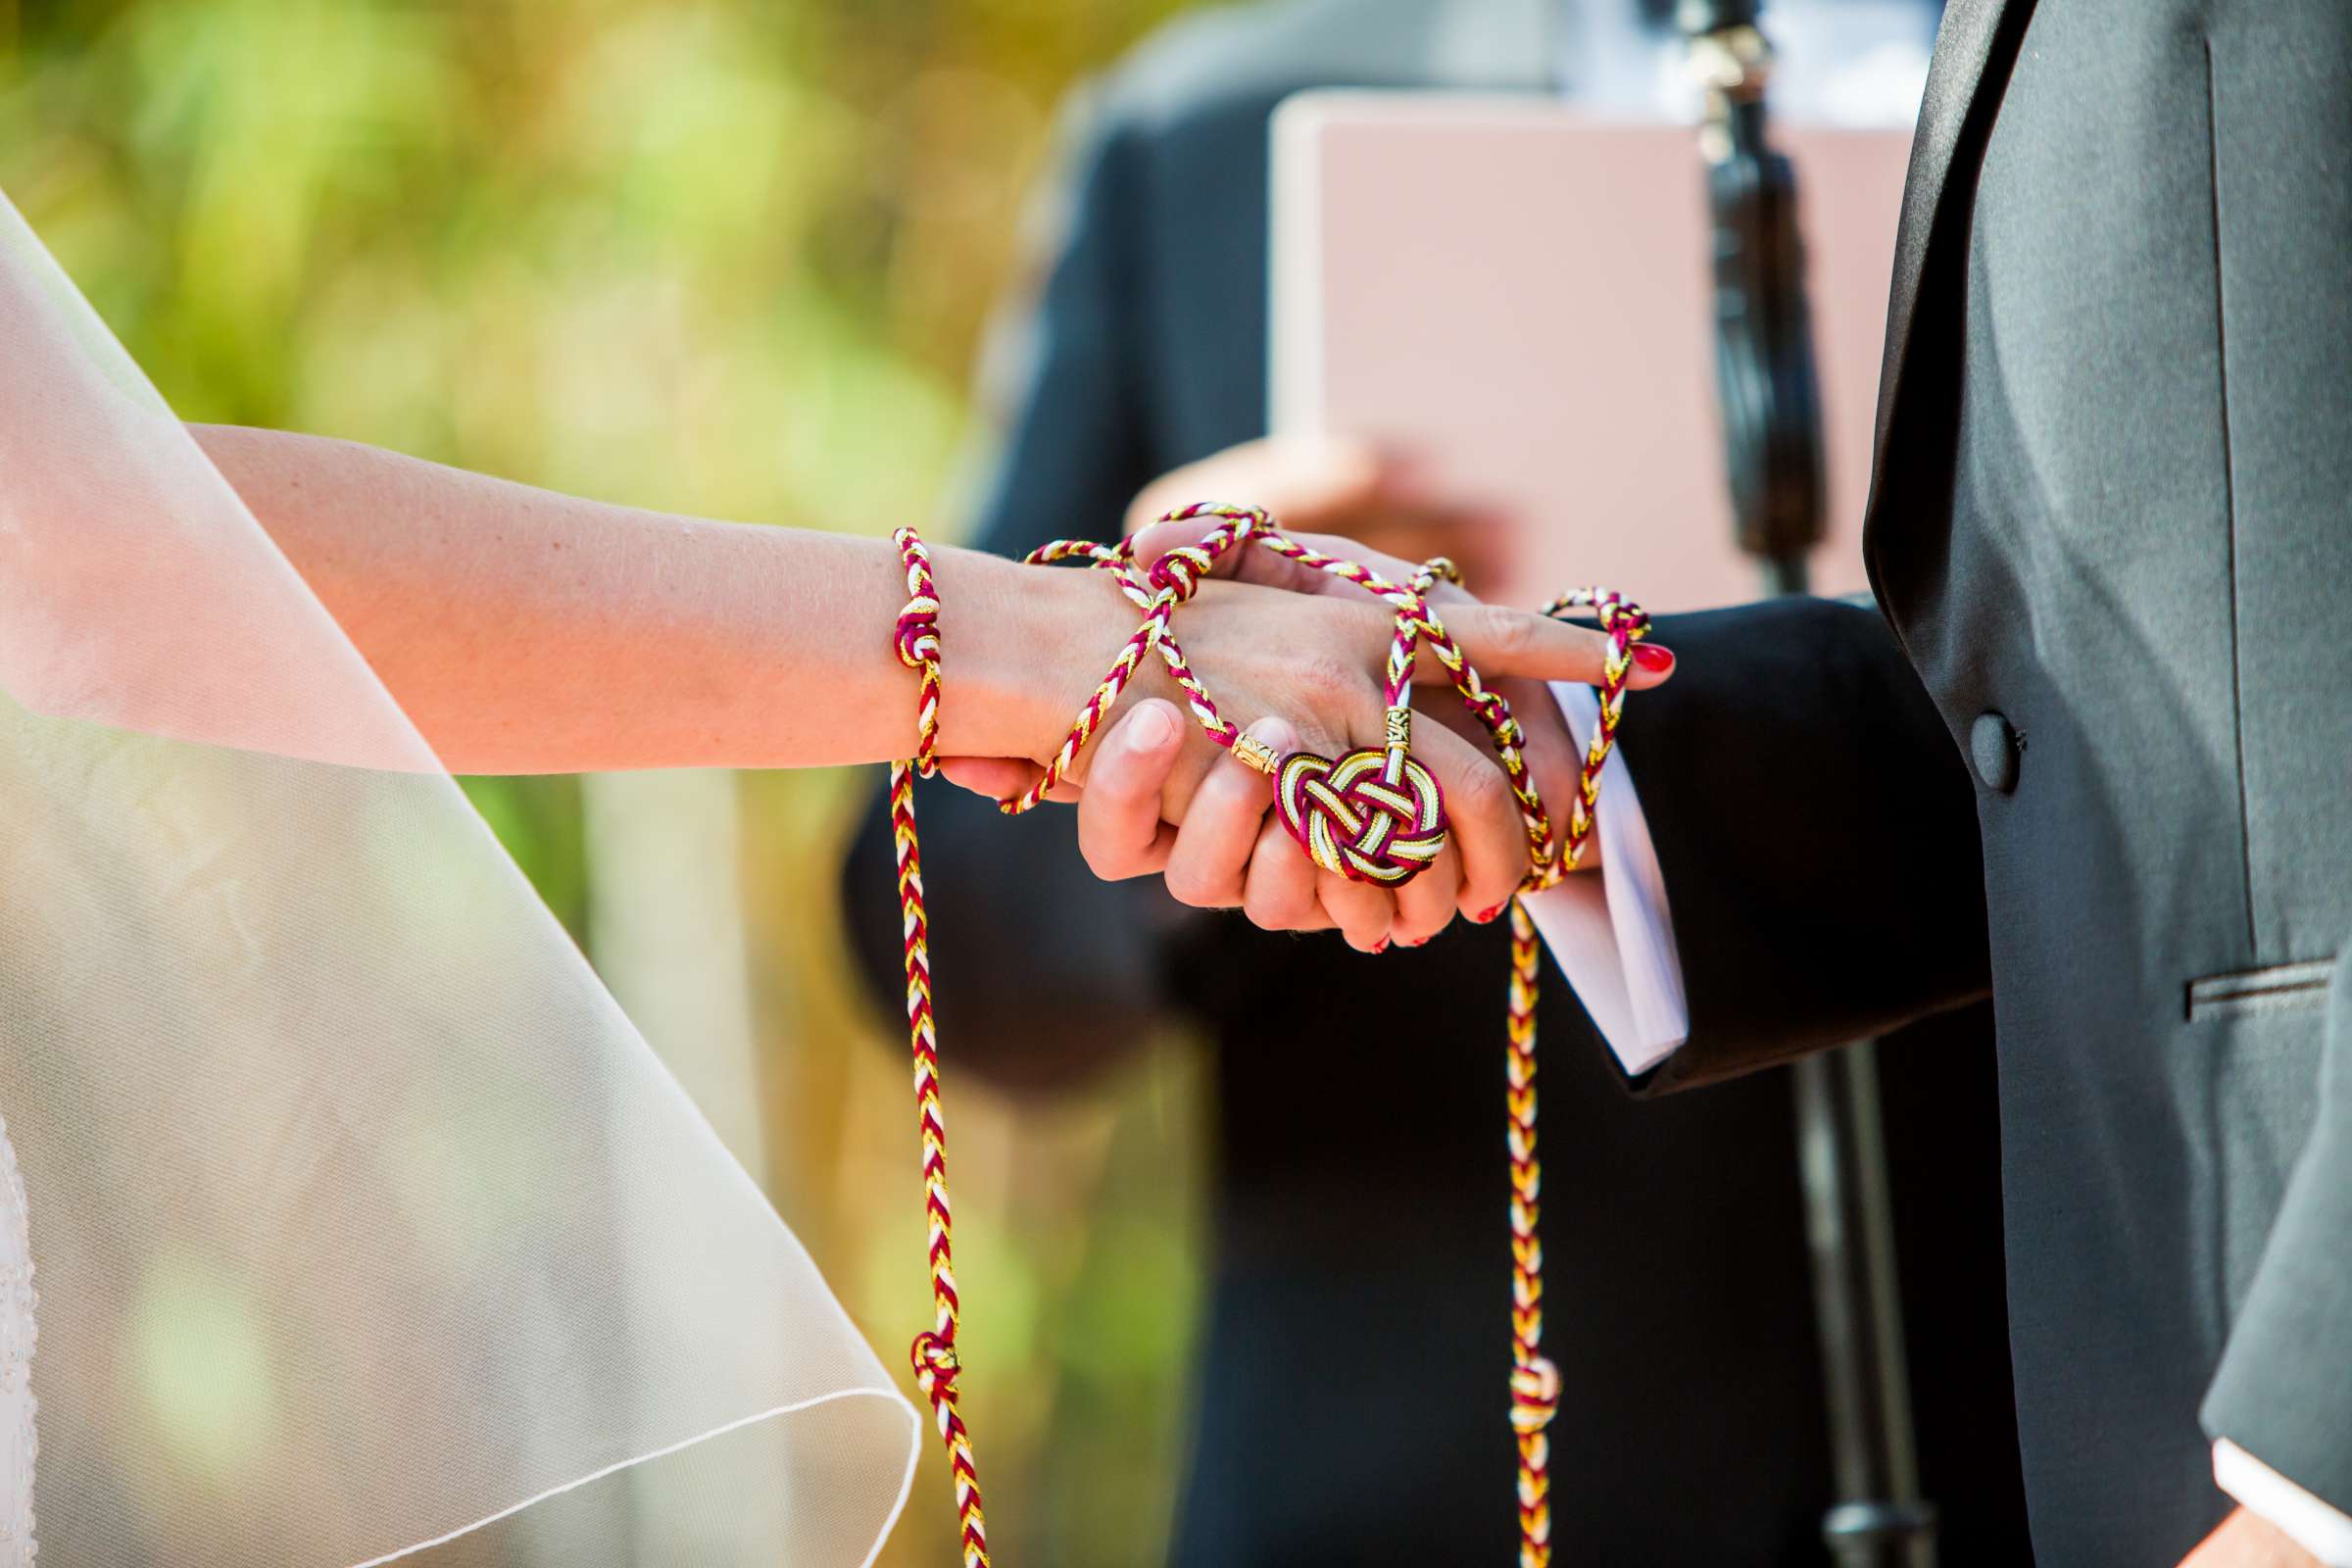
{"points": [[1535, 1380], [933, 1353]]}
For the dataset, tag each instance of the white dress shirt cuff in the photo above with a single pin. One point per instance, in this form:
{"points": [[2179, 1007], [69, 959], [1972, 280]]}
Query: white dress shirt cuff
{"points": [[1612, 932], [2318, 1527]]}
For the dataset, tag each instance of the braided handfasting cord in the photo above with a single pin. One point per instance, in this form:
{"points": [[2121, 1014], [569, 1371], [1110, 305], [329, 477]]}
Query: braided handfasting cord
{"points": [[1374, 815], [933, 1353], [1535, 1380]]}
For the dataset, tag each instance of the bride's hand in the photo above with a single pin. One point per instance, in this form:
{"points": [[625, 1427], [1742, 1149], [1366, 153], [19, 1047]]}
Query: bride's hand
{"points": [[1300, 671]]}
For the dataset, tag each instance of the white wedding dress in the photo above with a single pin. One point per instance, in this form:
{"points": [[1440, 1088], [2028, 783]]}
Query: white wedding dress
{"points": [[364, 1225]]}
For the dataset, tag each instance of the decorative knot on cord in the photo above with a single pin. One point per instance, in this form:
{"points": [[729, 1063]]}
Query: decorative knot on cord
{"points": [[1178, 573], [1535, 1394], [936, 1366], [1375, 816], [1616, 614], [918, 634], [917, 642]]}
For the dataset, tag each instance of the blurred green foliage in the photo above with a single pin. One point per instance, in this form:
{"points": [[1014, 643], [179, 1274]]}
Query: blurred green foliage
{"points": [[731, 258]]}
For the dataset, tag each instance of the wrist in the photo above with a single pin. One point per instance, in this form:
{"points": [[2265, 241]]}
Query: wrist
{"points": [[1022, 648]]}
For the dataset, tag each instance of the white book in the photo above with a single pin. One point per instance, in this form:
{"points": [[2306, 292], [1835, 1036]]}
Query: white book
{"points": [[1518, 293]]}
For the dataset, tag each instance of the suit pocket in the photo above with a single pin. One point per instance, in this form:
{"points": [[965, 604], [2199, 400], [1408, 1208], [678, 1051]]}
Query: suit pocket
{"points": [[2280, 988]]}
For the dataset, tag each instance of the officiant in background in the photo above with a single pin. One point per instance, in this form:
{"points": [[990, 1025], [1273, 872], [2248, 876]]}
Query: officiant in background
{"points": [[1342, 1410]]}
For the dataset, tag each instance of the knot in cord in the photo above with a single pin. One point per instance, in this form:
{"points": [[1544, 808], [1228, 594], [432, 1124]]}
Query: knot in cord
{"points": [[1374, 815], [1535, 1394], [1178, 573], [917, 636], [936, 1366], [1617, 613]]}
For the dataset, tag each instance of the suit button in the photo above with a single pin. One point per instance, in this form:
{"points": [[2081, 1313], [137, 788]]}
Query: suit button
{"points": [[1995, 747]]}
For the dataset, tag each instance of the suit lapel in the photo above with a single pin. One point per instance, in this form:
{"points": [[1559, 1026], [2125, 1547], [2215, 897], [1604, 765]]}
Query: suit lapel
{"points": [[1964, 46]]}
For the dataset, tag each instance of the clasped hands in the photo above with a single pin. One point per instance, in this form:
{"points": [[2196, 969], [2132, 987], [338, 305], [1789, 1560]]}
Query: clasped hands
{"points": [[1296, 657]]}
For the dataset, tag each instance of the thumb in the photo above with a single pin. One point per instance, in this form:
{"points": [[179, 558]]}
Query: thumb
{"points": [[1119, 830]]}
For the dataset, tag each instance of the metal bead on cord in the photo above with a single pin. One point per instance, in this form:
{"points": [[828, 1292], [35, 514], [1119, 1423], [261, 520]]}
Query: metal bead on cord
{"points": [[1374, 814]]}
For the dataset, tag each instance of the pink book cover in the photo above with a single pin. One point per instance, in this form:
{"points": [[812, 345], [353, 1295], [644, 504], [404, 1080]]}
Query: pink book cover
{"points": [[1518, 294]]}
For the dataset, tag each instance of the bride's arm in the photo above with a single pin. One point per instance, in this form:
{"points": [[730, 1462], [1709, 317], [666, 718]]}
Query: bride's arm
{"points": [[527, 631]]}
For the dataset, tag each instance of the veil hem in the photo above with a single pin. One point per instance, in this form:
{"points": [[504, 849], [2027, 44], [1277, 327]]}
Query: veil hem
{"points": [[890, 1397]]}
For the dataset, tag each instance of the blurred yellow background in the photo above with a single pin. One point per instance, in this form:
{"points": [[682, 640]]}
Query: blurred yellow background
{"points": [[729, 259]]}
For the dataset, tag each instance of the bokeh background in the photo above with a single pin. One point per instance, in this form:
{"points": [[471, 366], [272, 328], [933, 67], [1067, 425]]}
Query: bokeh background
{"points": [[733, 258]]}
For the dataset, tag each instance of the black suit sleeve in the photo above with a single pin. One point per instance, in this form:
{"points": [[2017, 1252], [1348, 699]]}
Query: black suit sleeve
{"points": [[1020, 932], [1818, 833]]}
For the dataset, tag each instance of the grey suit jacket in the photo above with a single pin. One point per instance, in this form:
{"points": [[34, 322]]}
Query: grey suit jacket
{"points": [[2109, 530]]}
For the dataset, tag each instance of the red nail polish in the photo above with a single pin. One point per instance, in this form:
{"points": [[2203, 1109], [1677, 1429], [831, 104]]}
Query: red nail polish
{"points": [[1418, 942], [1486, 917], [1382, 946], [1655, 657]]}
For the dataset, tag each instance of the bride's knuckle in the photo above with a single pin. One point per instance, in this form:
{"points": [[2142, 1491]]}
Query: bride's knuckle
{"points": [[1481, 793], [1326, 680], [1510, 634]]}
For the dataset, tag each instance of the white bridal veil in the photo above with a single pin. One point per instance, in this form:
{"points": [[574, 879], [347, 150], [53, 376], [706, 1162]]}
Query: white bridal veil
{"points": [[361, 1225]]}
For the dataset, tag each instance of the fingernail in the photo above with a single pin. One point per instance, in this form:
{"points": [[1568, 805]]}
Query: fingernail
{"points": [[1657, 657], [1275, 733], [1418, 942], [1486, 917], [1155, 727], [1382, 946]]}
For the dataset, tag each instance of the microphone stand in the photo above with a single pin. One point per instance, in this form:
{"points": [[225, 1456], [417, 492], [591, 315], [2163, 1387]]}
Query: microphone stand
{"points": [[1772, 434]]}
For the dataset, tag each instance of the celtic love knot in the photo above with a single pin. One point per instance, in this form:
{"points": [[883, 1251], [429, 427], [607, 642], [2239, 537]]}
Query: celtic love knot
{"points": [[1376, 815]]}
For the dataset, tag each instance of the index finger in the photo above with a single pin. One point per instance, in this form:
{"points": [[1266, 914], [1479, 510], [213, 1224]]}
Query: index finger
{"points": [[1498, 640], [1502, 642]]}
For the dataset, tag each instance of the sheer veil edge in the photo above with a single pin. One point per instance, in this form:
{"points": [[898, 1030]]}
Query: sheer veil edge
{"points": [[366, 1228]]}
